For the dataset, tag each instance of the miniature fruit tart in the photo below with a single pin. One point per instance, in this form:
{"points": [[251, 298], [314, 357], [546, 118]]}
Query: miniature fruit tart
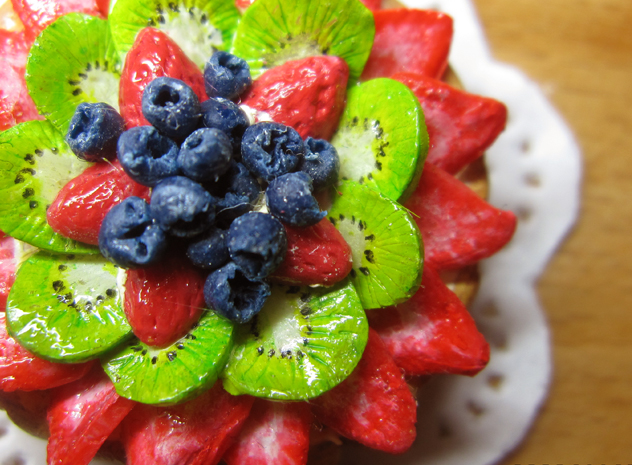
{"points": [[263, 270]]}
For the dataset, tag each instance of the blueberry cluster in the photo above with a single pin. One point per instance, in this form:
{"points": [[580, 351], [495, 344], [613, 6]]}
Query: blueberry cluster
{"points": [[207, 169]]}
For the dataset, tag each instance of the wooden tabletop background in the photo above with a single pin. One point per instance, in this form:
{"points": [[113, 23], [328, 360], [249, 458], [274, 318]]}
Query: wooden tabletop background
{"points": [[580, 52]]}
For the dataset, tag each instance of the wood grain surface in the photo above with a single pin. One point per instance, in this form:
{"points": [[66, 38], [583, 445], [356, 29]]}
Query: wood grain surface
{"points": [[580, 52]]}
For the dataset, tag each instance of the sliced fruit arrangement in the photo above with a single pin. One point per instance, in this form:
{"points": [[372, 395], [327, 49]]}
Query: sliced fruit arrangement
{"points": [[385, 243], [165, 336], [74, 314], [198, 26], [87, 68], [272, 32], [304, 342], [383, 146], [36, 163]]}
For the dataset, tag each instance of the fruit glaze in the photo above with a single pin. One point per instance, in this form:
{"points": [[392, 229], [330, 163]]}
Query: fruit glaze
{"points": [[134, 345]]}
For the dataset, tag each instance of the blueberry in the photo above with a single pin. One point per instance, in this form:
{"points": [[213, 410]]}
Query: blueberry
{"points": [[94, 130], [270, 149], [233, 295], [290, 199], [128, 236], [239, 191], [205, 155], [222, 114], [226, 75], [321, 163], [171, 106], [257, 244], [210, 251], [147, 156], [182, 207]]}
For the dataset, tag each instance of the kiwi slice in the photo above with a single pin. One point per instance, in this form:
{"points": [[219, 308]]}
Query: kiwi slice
{"points": [[67, 308], [382, 139], [199, 27], [303, 342], [169, 375], [272, 32], [72, 61], [386, 246], [35, 163]]}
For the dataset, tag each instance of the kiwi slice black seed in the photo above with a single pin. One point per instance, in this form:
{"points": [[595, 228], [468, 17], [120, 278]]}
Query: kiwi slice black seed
{"points": [[272, 32], [172, 374], [303, 342], [72, 61], [199, 27], [386, 246], [382, 139], [35, 163], [67, 308]]}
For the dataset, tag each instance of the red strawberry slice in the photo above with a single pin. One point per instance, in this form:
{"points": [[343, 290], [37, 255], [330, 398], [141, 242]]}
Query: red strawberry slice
{"points": [[81, 205], [457, 226], [163, 301], [408, 40], [8, 266], [82, 416], [242, 5], [307, 94], [432, 332], [16, 105], [197, 432], [317, 254], [374, 406], [461, 126], [14, 49], [275, 433], [19, 369], [154, 55], [37, 14]]}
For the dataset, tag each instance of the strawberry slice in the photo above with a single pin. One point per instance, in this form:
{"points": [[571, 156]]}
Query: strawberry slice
{"points": [[197, 432], [461, 126], [408, 40], [19, 369], [81, 205], [457, 226], [154, 55], [16, 105], [275, 432], [82, 416], [374, 406], [163, 301], [14, 49], [8, 266], [317, 254], [307, 94], [242, 5], [37, 14], [432, 332]]}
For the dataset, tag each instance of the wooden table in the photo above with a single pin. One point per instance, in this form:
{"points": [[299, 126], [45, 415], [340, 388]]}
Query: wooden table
{"points": [[580, 52]]}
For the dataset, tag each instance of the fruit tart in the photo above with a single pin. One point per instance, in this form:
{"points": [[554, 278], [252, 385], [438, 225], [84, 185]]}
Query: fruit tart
{"points": [[227, 227]]}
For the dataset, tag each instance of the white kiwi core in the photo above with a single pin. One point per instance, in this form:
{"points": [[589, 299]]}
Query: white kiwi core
{"points": [[354, 146], [101, 86]]}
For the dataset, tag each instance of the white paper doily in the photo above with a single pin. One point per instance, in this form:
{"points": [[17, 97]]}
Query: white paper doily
{"points": [[534, 170]]}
